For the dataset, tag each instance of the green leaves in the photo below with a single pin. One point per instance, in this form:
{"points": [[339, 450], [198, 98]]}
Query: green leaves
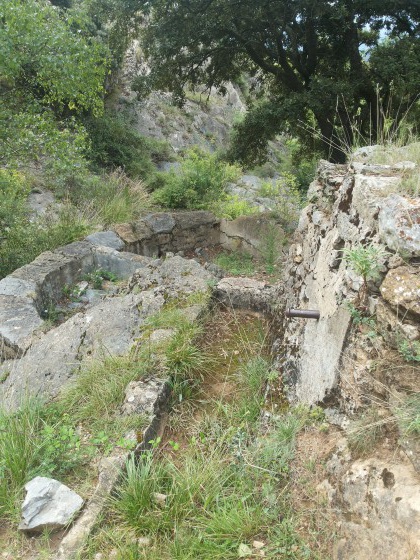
{"points": [[316, 63], [47, 54]]}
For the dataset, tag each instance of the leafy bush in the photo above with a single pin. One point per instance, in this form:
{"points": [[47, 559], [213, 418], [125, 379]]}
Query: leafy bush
{"points": [[115, 143], [13, 193], [232, 207], [32, 135], [73, 77], [200, 181]]}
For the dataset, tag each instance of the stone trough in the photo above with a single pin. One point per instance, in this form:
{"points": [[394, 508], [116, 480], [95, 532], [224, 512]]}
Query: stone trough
{"points": [[37, 363]]}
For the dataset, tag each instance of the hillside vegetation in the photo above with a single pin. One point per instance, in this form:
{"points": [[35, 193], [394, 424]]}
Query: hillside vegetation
{"points": [[229, 477]]}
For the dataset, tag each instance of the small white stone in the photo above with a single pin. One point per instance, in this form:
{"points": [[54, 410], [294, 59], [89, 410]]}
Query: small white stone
{"points": [[159, 498], [143, 542]]}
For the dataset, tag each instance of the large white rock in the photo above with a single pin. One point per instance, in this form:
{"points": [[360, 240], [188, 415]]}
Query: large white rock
{"points": [[48, 505], [399, 224]]}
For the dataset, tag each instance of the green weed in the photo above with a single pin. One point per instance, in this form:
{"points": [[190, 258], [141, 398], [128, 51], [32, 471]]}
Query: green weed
{"points": [[237, 264], [409, 350], [97, 278]]}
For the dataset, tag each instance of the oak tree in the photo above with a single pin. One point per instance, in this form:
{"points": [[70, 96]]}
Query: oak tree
{"points": [[319, 64]]}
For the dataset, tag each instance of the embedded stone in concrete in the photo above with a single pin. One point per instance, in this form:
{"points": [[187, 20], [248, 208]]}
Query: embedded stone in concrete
{"points": [[48, 505], [106, 239], [160, 223], [251, 234], [399, 224], [121, 264], [245, 293], [401, 289], [144, 397], [174, 276]]}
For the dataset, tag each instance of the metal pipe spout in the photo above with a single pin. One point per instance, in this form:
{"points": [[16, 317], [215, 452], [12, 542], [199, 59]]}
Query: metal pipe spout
{"points": [[302, 313]]}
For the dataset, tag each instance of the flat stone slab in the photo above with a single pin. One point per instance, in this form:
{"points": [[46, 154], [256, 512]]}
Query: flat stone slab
{"points": [[48, 505], [19, 319], [106, 239], [107, 329]]}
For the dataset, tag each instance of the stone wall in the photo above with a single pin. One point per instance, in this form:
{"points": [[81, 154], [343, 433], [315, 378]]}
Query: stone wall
{"points": [[326, 360], [30, 290], [27, 293]]}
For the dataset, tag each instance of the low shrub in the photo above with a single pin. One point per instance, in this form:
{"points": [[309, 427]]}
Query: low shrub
{"points": [[199, 182], [114, 143], [231, 207]]}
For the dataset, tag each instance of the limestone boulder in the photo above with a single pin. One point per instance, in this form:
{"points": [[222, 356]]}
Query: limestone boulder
{"points": [[399, 224], [379, 502], [401, 289], [48, 505]]}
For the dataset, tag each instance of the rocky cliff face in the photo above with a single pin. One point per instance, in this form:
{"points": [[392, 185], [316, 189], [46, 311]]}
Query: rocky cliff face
{"points": [[351, 358], [349, 207], [205, 120]]}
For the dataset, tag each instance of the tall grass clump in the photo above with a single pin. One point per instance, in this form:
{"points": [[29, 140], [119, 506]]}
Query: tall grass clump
{"points": [[109, 198], [25, 240], [99, 390], [215, 499], [407, 413], [35, 440]]}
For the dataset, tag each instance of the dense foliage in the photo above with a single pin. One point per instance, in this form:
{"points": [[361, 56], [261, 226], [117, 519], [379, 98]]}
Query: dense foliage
{"points": [[328, 66], [200, 181], [55, 69], [49, 55]]}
